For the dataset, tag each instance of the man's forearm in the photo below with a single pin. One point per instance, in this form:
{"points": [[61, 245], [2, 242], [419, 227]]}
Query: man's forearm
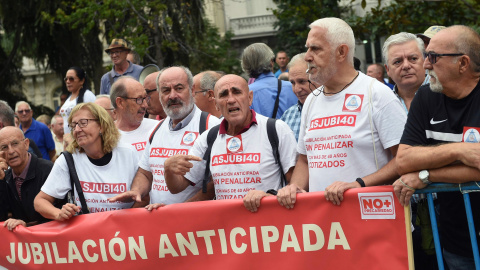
{"points": [[142, 182], [416, 158], [300, 173], [458, 173], [384, 176]]}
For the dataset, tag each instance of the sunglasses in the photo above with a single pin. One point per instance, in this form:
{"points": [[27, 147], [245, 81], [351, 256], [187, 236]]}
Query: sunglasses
{"points": [[115, 52], [70, 79], [432, 57], [24, 111]]}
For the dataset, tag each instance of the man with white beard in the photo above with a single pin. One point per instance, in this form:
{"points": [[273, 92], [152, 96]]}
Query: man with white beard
{"points": [[351, 125], [175, 135], [440, 141]]}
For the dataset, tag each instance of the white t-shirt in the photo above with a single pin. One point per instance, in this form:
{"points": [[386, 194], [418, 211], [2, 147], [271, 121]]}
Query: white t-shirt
{"points": [[335, 132], [244, 162], [138, 138], [98, 182], [167, 143], [68, 106]]}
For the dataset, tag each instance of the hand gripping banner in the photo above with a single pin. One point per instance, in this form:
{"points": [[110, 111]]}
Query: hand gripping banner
{"points": [[368, 231]]}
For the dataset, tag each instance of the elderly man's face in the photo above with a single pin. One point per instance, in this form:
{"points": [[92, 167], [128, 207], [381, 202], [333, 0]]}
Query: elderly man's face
{"points": [[175, 95], [14, 146], [130, 109], [105, 103], [320, 56], [375, 72], [405, 65], [233, 99], [299, 80], [57, 128], [154, 106], [24, 113], [445, 69]]}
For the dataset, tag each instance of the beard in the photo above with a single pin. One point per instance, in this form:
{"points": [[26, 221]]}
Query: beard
{"points": [[178, 113], [436, 86], [320, 77]]}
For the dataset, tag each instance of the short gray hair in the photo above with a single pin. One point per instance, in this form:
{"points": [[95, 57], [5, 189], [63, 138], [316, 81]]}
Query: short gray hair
{"points": [[257, 59], [7, 115], [20, 103], [299, 58], [54, 119], [338, 33], [209, 79], [401, 38], [185, 69], [119, 89]]}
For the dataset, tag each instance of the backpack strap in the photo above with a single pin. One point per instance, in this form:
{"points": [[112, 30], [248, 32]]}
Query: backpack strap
{"points": [[211, 137], [155, 131], [273, 138], [75, 182], [277, 100], [203, 122]]}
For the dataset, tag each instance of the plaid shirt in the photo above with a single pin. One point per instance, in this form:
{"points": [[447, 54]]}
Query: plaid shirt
{"points": [[292, 116]]}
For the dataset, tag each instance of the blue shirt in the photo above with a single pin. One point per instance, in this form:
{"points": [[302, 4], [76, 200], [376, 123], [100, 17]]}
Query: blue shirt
{"points": [[265, 89], [277, 74], [292, 117], [41, 135], [132, 70]]}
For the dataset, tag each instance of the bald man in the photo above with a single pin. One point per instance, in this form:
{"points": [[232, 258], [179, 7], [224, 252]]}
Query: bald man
{"points": [[154, 109], [104, 102], [20, 183]]}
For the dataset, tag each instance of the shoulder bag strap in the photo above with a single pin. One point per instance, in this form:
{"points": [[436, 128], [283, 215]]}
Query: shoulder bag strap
{"points": [[75, 182], [277, 100], [211, 137], [273, 138]]}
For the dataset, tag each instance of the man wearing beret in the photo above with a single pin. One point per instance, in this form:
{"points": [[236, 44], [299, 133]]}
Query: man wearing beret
{"points": [[118, 51]]}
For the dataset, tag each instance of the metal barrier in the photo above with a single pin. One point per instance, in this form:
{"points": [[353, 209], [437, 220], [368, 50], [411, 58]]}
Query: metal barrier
{"points": [[464, 188]]}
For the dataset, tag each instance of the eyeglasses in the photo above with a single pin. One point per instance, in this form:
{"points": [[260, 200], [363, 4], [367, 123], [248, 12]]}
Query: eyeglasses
{"points": [[150, 90], [115, 52], [24, 111], [70, 79], [201, 91], [432, 57], [140, 100], [81, 123]]}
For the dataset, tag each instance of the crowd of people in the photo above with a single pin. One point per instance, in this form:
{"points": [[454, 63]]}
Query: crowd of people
{"points": [[329, 128]]}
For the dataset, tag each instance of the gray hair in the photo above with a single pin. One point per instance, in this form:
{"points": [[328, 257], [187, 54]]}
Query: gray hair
{"points": [[185, 69], [299, 58], [401, 38], [257, 59], [468, 42], [102, 96], [119, 89], [208, 81], [7, 115], [21, 103], [54, 119], [338, 33]]}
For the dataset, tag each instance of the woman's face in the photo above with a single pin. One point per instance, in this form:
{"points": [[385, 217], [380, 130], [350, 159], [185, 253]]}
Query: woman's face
{"points": [[74, 84], [88, 137]]}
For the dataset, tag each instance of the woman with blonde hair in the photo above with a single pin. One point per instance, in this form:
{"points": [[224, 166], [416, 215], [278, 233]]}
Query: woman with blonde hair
{"points": [[104, 166]]}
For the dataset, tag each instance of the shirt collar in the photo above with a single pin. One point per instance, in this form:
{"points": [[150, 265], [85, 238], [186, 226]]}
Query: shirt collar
{"points": [[184, 122], [23, 175], [299, 105], [224, 124]]}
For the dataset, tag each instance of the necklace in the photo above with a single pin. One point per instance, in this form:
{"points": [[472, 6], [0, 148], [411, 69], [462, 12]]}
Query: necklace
{"points": [[322, 90]]}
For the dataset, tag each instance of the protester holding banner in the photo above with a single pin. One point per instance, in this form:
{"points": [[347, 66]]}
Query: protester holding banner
{"points": [[104, 166], [351, 125], [242, 159]]}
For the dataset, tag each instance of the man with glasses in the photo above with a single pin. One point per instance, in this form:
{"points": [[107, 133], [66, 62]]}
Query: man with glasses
{"points": [[203, 84], [130, 101], [21, 177], [440, 141], [175, 135], [36, 131], [154, 109], [104, 102], [118, 51]]}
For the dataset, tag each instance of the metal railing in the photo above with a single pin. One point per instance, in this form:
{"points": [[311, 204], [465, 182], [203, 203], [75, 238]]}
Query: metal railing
{"points": [[465, 189]]}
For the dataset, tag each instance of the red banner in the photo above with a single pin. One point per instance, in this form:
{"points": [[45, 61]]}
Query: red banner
{"points": [[367, 231]]}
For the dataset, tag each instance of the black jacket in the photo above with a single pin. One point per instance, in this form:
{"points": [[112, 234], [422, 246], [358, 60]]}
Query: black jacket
{"points": [[23, 209]]}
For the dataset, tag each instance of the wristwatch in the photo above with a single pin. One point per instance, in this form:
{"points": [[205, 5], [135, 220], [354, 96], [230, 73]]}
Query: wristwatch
{"points": [[423, 175]]}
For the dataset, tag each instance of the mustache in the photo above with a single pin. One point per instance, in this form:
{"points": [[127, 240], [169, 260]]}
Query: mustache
{"points": [[175, 101]]}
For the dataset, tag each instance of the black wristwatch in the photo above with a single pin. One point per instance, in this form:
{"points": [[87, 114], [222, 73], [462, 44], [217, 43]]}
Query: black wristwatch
{"points": [[272, 191]]}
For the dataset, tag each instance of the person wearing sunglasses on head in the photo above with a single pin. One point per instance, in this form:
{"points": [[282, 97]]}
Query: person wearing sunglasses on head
{"points": [[105, 167], [75, 80], [118, 52]]}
